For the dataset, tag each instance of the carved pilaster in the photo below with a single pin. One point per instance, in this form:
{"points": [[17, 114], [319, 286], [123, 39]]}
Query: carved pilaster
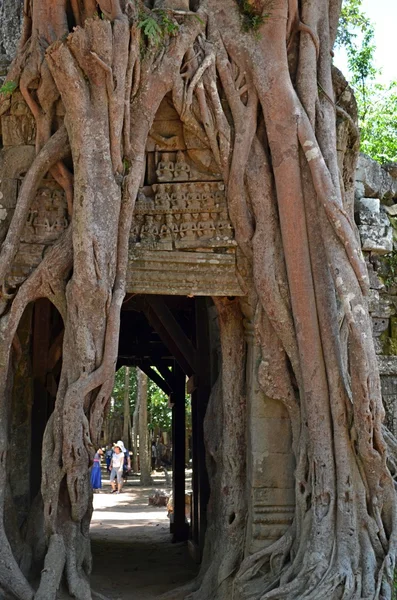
{"points": [[270, 462]]}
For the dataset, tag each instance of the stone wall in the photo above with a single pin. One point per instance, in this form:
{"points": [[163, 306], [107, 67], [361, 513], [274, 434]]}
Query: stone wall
{"points": [[376, 218], [10, 27]]}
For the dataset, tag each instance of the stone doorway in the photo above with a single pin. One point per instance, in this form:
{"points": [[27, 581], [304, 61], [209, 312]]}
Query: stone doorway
{"points": [[173, 339]]}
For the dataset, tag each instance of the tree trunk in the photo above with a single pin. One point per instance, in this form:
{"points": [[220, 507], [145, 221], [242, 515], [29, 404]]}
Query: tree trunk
{"points": [[251, 83], [144, 458], [127, 409], [136, 429]]}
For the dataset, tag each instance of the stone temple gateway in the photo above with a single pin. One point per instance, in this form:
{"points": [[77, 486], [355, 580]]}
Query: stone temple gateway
{"points": [[181, 244], [182, 253], [185, 273]]}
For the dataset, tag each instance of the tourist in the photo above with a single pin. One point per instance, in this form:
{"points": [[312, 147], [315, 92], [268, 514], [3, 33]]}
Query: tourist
{"points": [[96, 478], [127, 464], [108, 456], [116, 467]]}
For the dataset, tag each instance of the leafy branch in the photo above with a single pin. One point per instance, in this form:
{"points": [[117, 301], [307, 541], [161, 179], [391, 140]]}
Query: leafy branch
{"points": [[8, 88], [251, 18], [157, 25]]}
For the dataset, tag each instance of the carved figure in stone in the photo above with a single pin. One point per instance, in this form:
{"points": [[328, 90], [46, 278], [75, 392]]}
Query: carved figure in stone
{"points": [[207, 197], [173, 224], [178, 198], [165, 169], [188, 229], [193, 201], [206, 227], [194, 198], [158, 221], [166, 229], [224, 226], [182, 169], [162, 198], [41, 222], [136, 228], [150, 230]]}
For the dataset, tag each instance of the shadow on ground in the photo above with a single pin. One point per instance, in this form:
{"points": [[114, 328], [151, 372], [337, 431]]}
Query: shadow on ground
{"points": [[134, 558]]}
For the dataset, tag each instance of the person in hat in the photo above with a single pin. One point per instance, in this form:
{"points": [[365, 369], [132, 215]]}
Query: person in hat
{"points": [[116, 468]]}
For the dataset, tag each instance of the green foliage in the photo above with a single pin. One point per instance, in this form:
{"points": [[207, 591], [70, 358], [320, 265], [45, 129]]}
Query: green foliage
{"points": [[159, 410], [351, 21], [157, 25], [378, 121], [151, 29], [117, 406], [8, 88], [251, 19], [377, 103], [390, 262]]}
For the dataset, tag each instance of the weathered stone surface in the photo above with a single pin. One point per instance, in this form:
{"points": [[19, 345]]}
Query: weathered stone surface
{"points": [[18, 131], [380, 325], [372, 205], [376, 239], [376, 180], [374, 226], [387, 365], [183, 273], [375, 282], [10, 26], [380, 306], [272, 513]]}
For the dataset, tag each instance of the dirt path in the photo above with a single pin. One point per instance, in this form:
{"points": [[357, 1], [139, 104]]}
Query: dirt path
{"points": [[134, 558]]}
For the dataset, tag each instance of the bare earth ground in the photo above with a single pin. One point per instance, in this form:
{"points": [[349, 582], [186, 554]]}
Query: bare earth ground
{"points": [[134, 558]]}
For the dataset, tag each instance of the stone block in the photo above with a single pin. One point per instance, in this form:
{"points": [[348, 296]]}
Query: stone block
{"points": [[387, 365], [378, 240], [367, 204], [374, 219], [378, 183], [272, 470], [380, 305], [380, 325], [18, 131]]}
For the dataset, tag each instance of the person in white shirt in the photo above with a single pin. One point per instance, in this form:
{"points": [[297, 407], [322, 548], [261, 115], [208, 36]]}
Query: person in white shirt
{"points": [[116, 468]]}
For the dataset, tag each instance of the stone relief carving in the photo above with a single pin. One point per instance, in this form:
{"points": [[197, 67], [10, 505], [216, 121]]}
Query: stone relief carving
{"points": [[182, 215], [47, 217], [165, 165]]}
